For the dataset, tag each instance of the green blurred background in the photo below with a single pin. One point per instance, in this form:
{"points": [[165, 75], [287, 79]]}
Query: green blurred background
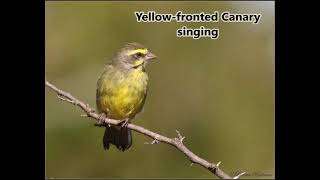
{"points": [[217, 93]]}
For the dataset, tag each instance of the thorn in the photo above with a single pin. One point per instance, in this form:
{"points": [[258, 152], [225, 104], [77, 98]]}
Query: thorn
{"points": [[237, 177], [180, 138], [179, 135], [65, 99], [191, 164], [84, 115], [218, 164], [153, 142], [60, 97]]}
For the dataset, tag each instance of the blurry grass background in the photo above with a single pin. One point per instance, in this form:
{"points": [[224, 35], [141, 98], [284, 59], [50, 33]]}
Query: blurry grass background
{"points": [[218, 93]]}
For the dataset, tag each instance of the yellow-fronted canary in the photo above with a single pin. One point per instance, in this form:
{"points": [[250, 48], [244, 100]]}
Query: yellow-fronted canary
{"points": [[121, 92]]}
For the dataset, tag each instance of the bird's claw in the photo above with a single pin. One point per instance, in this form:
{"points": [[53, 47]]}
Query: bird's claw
{"points": [[124, 123]]}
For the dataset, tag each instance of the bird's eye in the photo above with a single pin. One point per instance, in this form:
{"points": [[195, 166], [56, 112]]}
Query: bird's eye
{"points": [[138, 55]]}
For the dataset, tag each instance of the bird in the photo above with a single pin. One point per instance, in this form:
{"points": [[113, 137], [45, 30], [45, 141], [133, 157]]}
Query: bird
{"points": [[121, 92]]}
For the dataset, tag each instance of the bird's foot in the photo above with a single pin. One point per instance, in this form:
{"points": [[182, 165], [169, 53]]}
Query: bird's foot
{"points": [[124, 123], [101, 119]]}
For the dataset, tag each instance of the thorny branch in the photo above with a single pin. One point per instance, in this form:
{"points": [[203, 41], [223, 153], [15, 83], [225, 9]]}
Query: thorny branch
{"points": [[176, 142]]}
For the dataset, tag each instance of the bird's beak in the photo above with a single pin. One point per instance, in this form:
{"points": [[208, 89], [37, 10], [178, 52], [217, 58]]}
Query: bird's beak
{"points": [[150, 56]]}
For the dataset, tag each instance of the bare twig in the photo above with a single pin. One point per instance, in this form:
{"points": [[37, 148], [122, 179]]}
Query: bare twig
{"points": [[175, 142]]}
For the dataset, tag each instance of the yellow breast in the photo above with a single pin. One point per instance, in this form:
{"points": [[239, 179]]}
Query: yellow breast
{"points": [[122, 94]]}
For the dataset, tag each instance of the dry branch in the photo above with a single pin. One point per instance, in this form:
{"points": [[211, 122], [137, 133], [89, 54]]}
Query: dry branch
{"points": [[176, 142]]}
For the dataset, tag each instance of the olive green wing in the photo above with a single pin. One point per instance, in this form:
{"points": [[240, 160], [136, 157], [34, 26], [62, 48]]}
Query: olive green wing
{"points": [[103, 89]]}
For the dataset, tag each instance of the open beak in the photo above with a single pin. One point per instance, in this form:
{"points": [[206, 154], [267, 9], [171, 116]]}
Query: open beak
{"points": [[150, 56]]}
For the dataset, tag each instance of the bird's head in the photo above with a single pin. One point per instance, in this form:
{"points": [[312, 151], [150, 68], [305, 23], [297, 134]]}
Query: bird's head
{"points": [[133, 55]]}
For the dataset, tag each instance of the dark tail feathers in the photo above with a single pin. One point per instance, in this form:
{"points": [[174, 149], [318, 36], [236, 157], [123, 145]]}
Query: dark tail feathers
{"points": [[120, 137]]}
